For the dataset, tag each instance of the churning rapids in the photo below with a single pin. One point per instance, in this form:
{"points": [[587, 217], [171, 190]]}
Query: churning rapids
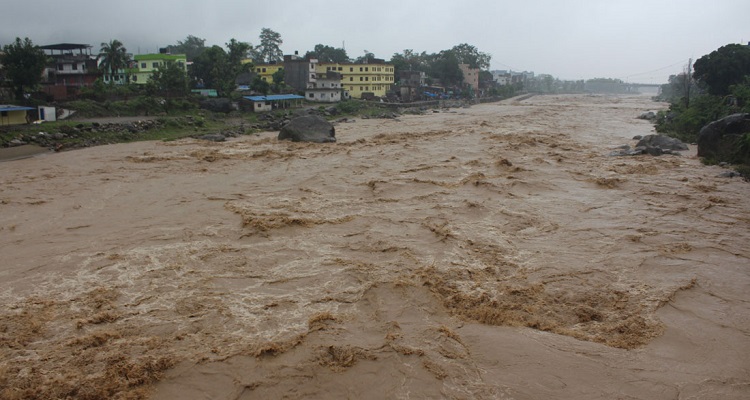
{"points": [[486, 252]]}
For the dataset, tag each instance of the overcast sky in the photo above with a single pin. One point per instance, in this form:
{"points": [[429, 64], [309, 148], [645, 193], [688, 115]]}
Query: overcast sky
{"points": [[634, 40]]}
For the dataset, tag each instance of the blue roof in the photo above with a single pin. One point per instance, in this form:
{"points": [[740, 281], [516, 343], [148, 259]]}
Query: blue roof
{"points": [[8, 107], [273, 97]]}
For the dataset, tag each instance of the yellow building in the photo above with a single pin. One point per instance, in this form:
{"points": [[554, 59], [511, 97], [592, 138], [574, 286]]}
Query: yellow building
{"points": [[375, 78], [266, 71]]}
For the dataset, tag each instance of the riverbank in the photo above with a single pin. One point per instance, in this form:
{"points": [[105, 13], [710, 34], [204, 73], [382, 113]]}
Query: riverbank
{"points": [[495, 251]]}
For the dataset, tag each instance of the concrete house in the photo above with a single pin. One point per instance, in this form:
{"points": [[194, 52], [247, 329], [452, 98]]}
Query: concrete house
{"points": [[72, 66], [145, 64], [326, 88], [362, 80]]}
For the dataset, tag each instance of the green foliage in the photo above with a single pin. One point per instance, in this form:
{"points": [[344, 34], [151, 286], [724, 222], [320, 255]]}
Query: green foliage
{"points": [[260, 85], [270, 46], [327, 54], [23, 63], [351, 106], [169, 79], [725, 76], [217, 69], [468, 54], [722, 68], [113, 57], [685, 123], [191, 47]]}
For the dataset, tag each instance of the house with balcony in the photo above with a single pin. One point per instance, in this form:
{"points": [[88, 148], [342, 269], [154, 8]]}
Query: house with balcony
{"points": [[326, 88], [362, 80], [144, 65], [71, 67]]}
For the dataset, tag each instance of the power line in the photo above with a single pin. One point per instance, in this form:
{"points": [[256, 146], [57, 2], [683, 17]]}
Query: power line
{"points": [[652, 71]]}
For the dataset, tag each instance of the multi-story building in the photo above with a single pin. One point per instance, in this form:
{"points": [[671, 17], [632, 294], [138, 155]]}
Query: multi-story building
{"points": [[71, 67], [146, 64], [266, 71], [299, 72], [325, 88], [471, 78], [358, 79]]}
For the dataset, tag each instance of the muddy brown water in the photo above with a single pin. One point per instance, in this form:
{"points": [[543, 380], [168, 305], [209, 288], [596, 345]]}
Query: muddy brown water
{"points": [[484, 252]]}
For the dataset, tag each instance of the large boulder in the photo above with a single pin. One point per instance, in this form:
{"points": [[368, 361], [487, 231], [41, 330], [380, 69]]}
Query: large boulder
{"points": [[718, 140], [309, 128], [657, 145]]}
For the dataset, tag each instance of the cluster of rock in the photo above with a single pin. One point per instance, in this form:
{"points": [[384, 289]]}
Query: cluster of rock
{"points": [[654, 145], [83, 135]]}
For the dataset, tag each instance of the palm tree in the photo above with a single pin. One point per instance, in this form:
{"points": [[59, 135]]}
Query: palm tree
{"points": [[113, 56]]}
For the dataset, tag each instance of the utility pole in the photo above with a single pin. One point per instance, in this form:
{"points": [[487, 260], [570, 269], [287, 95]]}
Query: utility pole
{"points": [[687, 83]]}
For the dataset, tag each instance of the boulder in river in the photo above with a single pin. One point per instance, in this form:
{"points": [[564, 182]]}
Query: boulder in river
{"points": [[309, 128]]}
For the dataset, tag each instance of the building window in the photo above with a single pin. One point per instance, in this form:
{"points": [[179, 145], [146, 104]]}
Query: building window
{"points": [[340, 68], [351, 69], [367, 78], [264, 70], [351, 78], [59, 67], [75, 67], [154, 65], [143, 65], [312, 95]]}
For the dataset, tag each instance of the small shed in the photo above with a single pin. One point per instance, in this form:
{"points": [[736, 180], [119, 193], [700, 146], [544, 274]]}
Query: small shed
{"points": [[14, 115], [274, 101]]}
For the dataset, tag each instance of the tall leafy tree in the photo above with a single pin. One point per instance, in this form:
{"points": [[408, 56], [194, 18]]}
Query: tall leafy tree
{"points": [[270, 46], [722, 68], [169, 79], [113, 56], [23, 63], [468, 54], [218, 69], [191, 47], [328, 54], [444, 66]]}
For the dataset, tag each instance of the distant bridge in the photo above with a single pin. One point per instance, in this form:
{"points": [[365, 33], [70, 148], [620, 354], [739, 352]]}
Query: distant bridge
{"points": [[643, 87]]}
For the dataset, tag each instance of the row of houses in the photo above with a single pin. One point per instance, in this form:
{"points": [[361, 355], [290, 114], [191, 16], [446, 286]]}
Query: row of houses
{"points": [[73, 66]]}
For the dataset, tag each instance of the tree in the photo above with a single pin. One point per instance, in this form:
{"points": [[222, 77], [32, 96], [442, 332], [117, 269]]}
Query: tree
{"points": [[327, 54], [218, 69], [365, 59], [169, 79], [23, 63], [113, 56], [468, 54], [722, 68], [270, 46], [191, 47], [444, 66]]}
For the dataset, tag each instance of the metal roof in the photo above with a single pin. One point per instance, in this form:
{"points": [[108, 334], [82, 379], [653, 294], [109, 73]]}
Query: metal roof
{"points": [[65, 46], [10, 107], [273, 97]]}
